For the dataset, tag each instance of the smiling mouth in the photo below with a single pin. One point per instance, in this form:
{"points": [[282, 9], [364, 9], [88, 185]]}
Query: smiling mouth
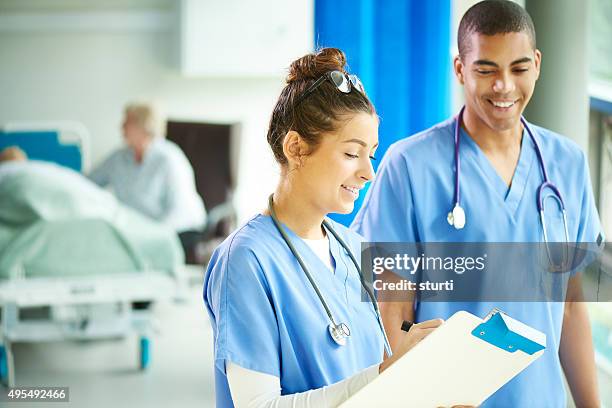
{"points": [[502, 104], [351, 189]]}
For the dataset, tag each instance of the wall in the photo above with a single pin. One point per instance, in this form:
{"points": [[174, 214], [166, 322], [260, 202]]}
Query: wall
{"points": [[88, 75]]}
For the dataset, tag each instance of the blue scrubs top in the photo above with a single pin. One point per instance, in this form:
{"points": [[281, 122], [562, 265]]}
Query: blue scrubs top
{"points": [[413, 192], [267, 317]]}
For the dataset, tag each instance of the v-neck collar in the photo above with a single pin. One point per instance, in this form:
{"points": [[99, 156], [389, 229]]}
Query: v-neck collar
{"points": [[302, 247], [510, 197], [338, 282]]}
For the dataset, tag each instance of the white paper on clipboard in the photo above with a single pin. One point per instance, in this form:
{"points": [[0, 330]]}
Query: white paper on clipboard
{"points": [[454, 365]]}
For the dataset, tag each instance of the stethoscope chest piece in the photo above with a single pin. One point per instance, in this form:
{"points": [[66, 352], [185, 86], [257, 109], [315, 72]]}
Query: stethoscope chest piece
{"points": [[456, 217], [339, 333]]}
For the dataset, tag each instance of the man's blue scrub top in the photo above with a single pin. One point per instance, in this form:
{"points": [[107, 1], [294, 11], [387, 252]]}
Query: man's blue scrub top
{"points": [[413, 192], [267, 317]]}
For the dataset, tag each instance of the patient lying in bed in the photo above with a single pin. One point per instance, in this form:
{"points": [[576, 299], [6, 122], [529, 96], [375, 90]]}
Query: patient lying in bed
{"points": [[54, 221]]}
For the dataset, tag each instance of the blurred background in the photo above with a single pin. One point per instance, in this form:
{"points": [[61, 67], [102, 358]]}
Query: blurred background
{"points": [[68, 68]]}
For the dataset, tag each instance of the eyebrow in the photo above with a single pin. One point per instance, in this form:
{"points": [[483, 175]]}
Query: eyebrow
{"points": [[359, 142], [493, 64]]}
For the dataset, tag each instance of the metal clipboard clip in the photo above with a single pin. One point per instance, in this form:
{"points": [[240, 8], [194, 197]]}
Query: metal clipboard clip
{"points": [[506, 333]]}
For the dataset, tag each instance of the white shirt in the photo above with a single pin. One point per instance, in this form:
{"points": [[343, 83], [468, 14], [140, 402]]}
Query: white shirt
{"points": [[321, 248], [253, 389], [162, 186]]}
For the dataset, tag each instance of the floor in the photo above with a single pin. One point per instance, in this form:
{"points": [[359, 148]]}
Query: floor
{"points": [[105, 373]]}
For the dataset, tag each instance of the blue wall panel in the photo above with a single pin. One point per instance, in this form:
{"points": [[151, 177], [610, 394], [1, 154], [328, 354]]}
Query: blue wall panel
{"points": [[401, 51]]}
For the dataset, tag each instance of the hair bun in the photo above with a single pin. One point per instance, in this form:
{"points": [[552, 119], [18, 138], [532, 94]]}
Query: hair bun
{"points": [[312, 66]]}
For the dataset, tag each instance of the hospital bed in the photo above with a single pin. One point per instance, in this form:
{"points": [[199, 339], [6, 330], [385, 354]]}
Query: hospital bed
{"points": [[86, 269]]}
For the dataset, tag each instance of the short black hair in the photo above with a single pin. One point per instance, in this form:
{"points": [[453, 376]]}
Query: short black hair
{"points": [[490, 17]]}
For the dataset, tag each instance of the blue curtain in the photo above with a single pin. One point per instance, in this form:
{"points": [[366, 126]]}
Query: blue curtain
{"points": [[401, 51]]}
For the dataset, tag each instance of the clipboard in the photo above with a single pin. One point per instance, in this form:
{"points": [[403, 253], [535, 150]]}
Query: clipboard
{"points": [[463, 362]]}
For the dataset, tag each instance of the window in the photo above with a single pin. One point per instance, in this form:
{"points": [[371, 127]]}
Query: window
{"points": [[600, 46], [600, 158]]}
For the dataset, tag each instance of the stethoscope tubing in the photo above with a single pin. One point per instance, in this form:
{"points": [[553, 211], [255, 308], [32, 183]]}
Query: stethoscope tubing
{"points": [[301, 262], [546, 184], [314, 285]]}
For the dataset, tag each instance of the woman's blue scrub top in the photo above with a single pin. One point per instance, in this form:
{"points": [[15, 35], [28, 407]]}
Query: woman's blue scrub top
{"points": [[267, 317], [413, 193]]}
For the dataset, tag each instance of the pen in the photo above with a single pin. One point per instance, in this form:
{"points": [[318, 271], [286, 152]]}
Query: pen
{"points": [[406, 325]]}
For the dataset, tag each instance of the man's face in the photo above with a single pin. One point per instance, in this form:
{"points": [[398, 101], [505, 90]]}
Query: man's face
{"points": [[134, 134], [498, 74]]}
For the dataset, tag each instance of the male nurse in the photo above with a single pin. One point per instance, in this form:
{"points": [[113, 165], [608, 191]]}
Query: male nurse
{"points": [[498, 65]]}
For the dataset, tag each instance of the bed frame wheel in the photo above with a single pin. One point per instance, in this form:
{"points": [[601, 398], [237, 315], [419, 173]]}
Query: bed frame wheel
{"points": [[7, 372], [145, 350]]}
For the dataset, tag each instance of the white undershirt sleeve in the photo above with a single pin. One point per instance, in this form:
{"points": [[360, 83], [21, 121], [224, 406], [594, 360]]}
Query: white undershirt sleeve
{"points": [[253, 389]]}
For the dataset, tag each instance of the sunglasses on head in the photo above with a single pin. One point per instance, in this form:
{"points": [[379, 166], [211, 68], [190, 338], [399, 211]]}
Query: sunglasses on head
{"points": [[342, 81]]}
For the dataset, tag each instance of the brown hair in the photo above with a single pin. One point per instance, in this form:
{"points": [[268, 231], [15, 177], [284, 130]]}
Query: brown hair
{"points": [[322, 111]]}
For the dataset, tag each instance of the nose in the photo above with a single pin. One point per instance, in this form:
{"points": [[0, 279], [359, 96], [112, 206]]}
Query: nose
{"points": [[503, 84], [367, 171]]}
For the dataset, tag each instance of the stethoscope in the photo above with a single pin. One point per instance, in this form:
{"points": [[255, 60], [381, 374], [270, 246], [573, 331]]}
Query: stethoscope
{"points": [[339, 332], [456, 217]]}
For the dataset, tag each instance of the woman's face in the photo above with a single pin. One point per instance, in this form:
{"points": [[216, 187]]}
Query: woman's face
{"points": [[339, 168]]}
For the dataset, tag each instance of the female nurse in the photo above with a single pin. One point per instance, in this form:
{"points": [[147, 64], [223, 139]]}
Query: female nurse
{"points": [[284, 292]]}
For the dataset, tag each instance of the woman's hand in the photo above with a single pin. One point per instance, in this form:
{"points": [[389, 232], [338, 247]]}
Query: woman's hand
{"points": [[417, 332]]}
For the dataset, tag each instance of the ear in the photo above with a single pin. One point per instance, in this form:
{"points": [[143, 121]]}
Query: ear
{"points": [[538, 62], [459, 69], [293, 148]]}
